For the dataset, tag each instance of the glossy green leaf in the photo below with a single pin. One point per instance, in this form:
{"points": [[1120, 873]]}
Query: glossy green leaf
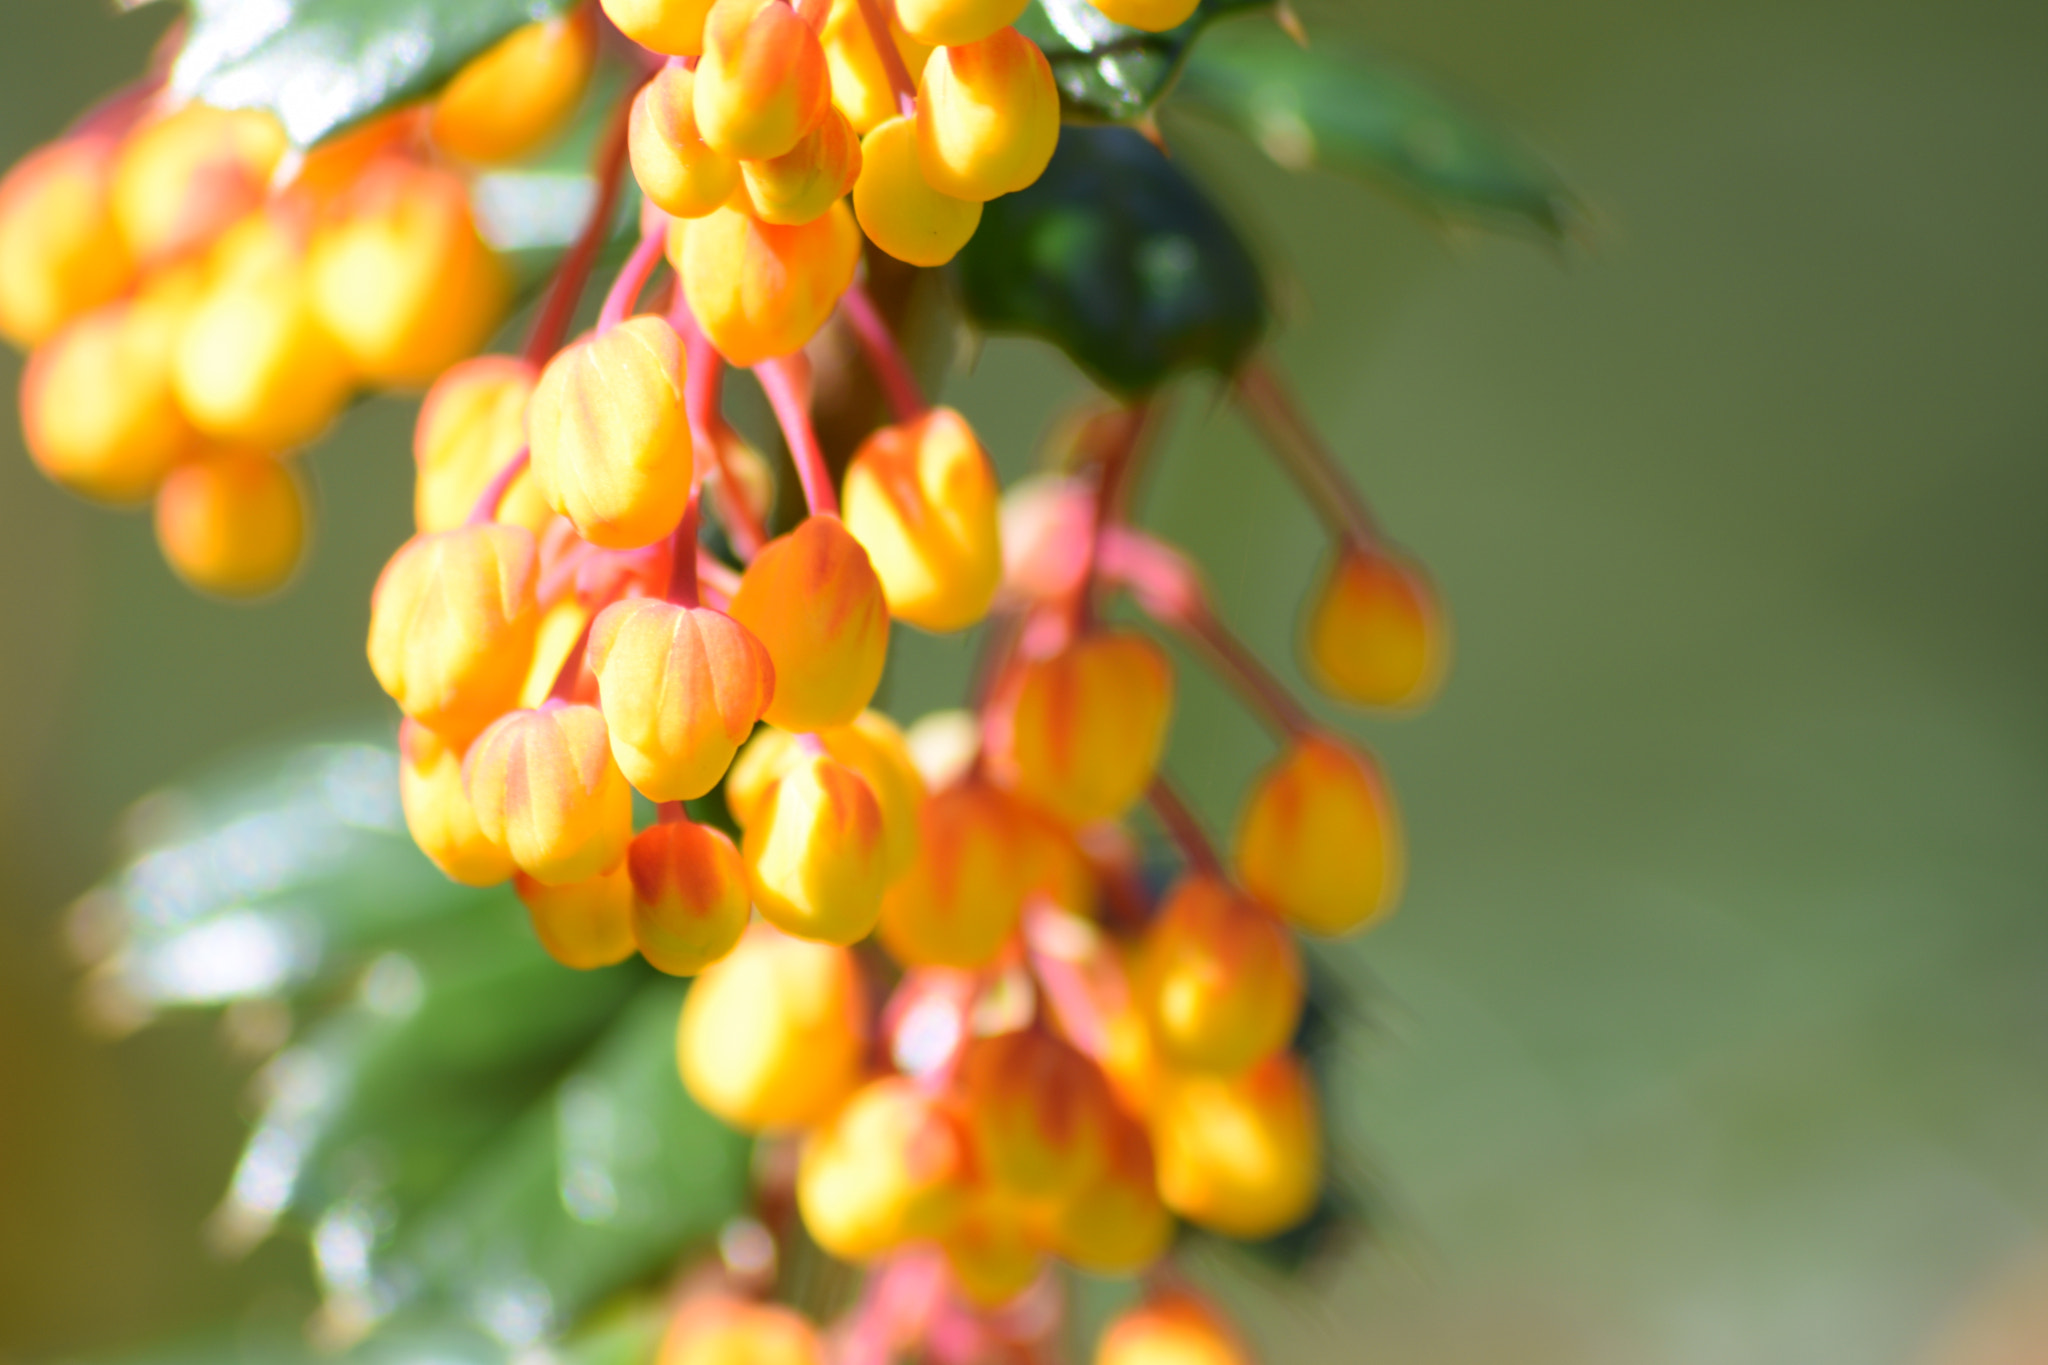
{"points": [[1106, 71], [1340, 111], [322, 65], [1120, 260]]}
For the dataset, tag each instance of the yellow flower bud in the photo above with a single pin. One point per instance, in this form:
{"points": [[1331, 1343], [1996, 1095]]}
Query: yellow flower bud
{"points": [[872, 746], [773, 1035], [812, 598], [452, 623], [899, 210], [521, 92], [1240, 1155], [762, 83], [1171, 1327], [438, 813], [1320, 841], [60, 252], [1115, 1224], [232, 524], [921, 498], [1088, 725], [546, 791], [689, 896], [1219, 978], [584, 925], [676, 168], [760, 290], [674, 28], [730, 1331], [806, 180], [988, 117], [185, 177], [860, 83], [1154, 16], [681, 689], [471, 424], [951, 23], [814, 852], [610, 436], [1040, 1112], [1376, 634], [981, 855], [991, 1253], [889, 1168]]}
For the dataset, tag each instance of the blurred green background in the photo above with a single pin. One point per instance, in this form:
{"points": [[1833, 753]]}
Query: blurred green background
{"points": [[1715, 1027]]}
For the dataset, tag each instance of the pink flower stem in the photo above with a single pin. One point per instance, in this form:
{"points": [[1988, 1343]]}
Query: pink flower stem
{"points": [[682, 579], [487, 502], [572, 667], [559, 309], [715, 580], [1298, 447], [624, 294], [877, 20], [786, 385], [702, 395], [884, 356], [671, 813], [1184, 829]]}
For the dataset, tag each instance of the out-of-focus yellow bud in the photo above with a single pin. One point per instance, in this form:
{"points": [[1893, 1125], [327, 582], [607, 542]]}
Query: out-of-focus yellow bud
{"points": [[762, 83], [681, 689], [60, 252], [773, 1035], [1320, 841], [402, 280], [981, 855], [921, 498], [952, 23], [610, 437], [674, 28], [1040, 1113], [546, 791], [988, 117], [232, 524], [1115, 1224], [97, 409], [183, 178], [860, 83], [586, 924], [689, 896], [730, 1331], [1240, 1155], [1219, 978], [452, 622], [254, 363], [471, 424], [812, 598], [890, 1167], [898, 210], [761, 290], [521, 92], [815, 854], [1376, 634], [806, 180], [1170, 1328], [438, 813], [1154, 16], [872, 746], [677, 169], [991, 1253], [1088, 725]]}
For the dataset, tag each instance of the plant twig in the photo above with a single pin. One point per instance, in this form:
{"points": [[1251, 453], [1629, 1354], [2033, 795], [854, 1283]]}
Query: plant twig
{"points": [[787, 389], [551, 327], [885, 358]]}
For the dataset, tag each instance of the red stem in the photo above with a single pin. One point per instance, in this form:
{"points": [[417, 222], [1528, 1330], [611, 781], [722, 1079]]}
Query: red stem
{"points": [[884, 356], [1298, 446], [572, 667], [702, 392], [486, 509], [786, 385], [1185, 830], [624, 294], [900, 81], [682, 580], [715, 580], [559, 310]]}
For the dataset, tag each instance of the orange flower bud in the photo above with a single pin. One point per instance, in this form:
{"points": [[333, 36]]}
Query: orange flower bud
{"points": [[890, 1167], [952, 23], [730, 1331], [584, 925], [438, 813], [1040, 1112], [689, 896], [760, 290], [452, 622], [988, 117], [232, 524], [60, 252], [254, 363], [872, 746], [773, 1035], [921, 498], [521, 92], [814, 852], [1320, 840], [990, 1252], [185, 177], [806, 180], [96, 403], [1376, 634], [981, 855], [1219, 978], [677, 169], [899, 210], [762, 83], [674, 28], [681, 688], [547, 792], [1240, 1155], [1115, 1224], [610, 437], [401, 279], [860, 83], [1170, 1328], [1154, 16], [1088, 725], [812, 598], [471, 424]]}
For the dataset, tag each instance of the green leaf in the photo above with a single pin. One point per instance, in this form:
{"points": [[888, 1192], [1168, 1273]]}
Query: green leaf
{"points": [[322, 65], [1108, 72], [1120, 260], [1340, 111]]}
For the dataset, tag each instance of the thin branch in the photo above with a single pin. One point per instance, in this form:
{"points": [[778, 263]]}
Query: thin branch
{"points": [[624, 294], [488, 501], [884, 39], [1182, 826], [559, 309], [787, 389], [885, 358], [1297, 445], [682, 580]]}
